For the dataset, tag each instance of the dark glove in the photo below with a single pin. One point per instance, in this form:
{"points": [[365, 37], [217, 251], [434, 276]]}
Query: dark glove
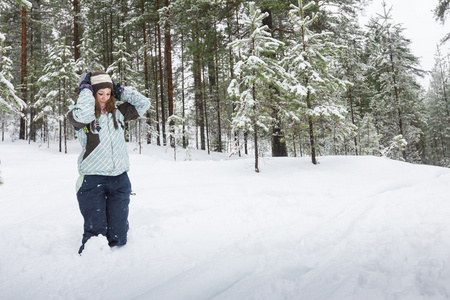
{"points": [[118, 90], [85, 82]]}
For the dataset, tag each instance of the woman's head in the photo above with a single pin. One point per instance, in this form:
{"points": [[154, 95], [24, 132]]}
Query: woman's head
{"points": [[102, 87], [104, 100], [100, 80]]}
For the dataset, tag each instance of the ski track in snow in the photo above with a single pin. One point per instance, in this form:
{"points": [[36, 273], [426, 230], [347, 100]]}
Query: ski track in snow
{"points": [[210, 228]]}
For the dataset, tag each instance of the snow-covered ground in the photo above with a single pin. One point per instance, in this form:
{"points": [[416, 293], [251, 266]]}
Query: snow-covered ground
{"points": [[211, 228]]}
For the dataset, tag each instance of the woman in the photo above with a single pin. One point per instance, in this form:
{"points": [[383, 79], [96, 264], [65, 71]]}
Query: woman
{"points": [[103, 189]]}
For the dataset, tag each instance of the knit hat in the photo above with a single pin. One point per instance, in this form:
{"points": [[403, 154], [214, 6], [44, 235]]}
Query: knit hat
{"points": [[101, 80]]}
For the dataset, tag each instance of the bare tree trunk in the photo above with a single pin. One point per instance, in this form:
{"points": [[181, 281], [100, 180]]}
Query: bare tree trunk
{"points": [[155, 73], [230, 53], [254, 115], [311, 130], [213, 95], [168, 65], [255, 134], [111, 40], [308, 101], [350, 93], [185, 144], [65, 134], [104, 42], [76, 35], [300, 145], [32, 125], [23, 74], [213, 78], [246, 142], [205, 107], [293, 143], [197, 74], [219, 118], [146, 82], [3, 122], [161, 81]]}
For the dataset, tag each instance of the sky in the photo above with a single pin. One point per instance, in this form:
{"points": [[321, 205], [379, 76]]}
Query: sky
{"points": [[420, 26]]}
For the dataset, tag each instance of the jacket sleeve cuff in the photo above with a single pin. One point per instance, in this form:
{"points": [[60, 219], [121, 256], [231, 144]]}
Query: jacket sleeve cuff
{"points": [[85, 86]]}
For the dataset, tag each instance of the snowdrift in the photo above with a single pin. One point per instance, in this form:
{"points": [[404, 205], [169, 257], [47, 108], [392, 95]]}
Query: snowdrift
{"points": [[211, 228]]}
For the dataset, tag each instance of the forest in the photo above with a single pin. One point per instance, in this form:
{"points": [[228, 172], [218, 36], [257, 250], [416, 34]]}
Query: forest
{"points": [[264, 78]]}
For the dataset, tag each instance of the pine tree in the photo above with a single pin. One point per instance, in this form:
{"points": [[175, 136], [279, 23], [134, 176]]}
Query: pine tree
{"points": [[395, 102], [311, 80], [121, 69], [89, 58], [256, 71], [57, 88], [438, 116], [9, 101]]}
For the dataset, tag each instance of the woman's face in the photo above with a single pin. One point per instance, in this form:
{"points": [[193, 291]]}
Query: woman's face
{"points": [[103, 96]]}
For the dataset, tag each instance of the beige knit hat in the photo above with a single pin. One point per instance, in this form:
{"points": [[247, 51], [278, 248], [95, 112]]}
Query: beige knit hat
{"points": [[101, 80]]}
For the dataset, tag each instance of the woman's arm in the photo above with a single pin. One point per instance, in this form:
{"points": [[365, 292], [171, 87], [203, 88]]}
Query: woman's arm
{"points": [[83, 110], [139, 101]]}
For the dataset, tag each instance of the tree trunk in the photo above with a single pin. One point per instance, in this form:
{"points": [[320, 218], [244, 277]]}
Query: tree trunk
{"points": [[60, 135], [111, 40], [197, 74], [23, 73], [3, 125], [155, 74], [168, 65], [185, 142], [397, 101], [308, 98], [214, 95], [161, 81], [65, 134], [311, 130], [76, 35], [350, 94], [255, 133], [104, 42], [32, 124], [279, 147], [146, 82], [212, 64], [219, 118], [205, 107], [396, 94]]}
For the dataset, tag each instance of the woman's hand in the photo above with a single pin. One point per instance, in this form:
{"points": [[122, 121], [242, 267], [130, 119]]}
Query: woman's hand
{"points": [[117, 92], [85, 82]]}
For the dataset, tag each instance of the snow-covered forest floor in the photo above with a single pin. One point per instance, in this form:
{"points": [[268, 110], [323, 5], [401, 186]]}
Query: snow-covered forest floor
{"points": [[211, 228]]}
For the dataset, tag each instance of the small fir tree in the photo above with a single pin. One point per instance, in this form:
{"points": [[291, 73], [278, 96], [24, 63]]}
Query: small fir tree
{"points": [[9, 101], [255, 72], [57, 87]]}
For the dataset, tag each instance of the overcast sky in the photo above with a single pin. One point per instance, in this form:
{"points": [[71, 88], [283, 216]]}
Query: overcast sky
{"points": [[417, 18]]}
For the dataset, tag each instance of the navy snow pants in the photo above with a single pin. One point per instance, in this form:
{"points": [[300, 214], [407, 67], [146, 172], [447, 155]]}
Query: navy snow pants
{"points": [[103, 202]]}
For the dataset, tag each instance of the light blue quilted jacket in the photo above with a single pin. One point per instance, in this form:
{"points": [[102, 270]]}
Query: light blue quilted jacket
{"points": [[104, 149]]}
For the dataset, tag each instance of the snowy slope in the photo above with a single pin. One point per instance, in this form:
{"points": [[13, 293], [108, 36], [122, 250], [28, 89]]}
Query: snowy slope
{"points": [[211, 228]]}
